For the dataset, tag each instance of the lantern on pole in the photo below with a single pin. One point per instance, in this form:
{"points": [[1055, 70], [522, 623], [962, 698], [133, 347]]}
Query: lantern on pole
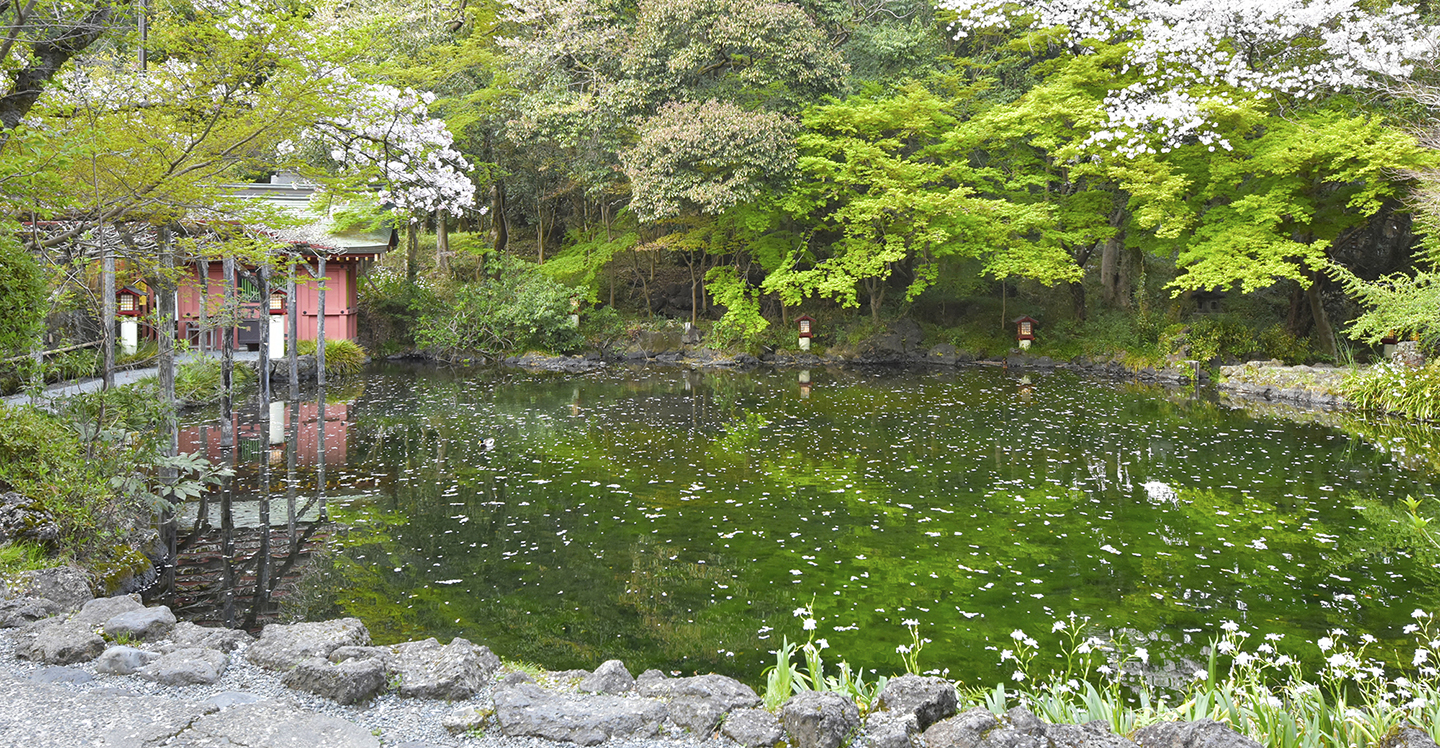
{"points": [[1388, 344], [1025, 331], [129, 304], [276, 307], [806, 326], [277, 302]]}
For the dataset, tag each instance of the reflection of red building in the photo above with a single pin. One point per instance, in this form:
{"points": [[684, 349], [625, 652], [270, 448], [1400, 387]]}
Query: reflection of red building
{"points": [[275, 432]]}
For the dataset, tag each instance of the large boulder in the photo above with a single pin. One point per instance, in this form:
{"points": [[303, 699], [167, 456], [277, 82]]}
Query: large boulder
{"points": [[274, 725], [699, 703], [611, 677], [17, 612], [427, 670], [1406, 736], [281, 646], [1203, 733], [123, 660], [1094, 734], [964, 730], [892, 730], [56, 642], [929, 699], [25, 519], [753, 728], [530, 711], [819, 719], [187, 635], [96, 612], [186, 667], [66, 585], [349, 682], [146, 624]]}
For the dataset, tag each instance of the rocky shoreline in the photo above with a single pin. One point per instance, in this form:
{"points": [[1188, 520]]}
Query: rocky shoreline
{"points": [[110, 671]]}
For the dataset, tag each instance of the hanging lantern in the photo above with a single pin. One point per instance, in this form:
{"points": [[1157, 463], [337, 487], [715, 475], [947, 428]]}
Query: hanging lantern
{"points": [[129, 302], [1025, 330], [277, 302]]}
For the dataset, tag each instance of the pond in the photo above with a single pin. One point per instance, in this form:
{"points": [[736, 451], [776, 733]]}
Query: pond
{"points": [[678, 520]]}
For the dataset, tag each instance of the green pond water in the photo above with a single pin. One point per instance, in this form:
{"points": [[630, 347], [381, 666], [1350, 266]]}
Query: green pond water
{"points": [[678, 519]]}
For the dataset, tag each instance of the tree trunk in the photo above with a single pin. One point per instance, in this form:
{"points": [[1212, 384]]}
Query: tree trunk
{"points": [[1324, 333], [292, 338], [107, 312], [876, 289], [412, 251], [165, 324], [320, 325], [540, 229], [442, 242], [227, 354], [1077, 300], [202, 268], [499, 225], [262, 367], [1115, 274]]}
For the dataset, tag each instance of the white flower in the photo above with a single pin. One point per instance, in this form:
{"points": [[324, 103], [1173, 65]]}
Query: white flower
{"points": [[1226, 647], [1230, 627], [1142, 655], [1418, 614], [1017, 635], [800, 612], [909, 622], [1421, 657], [1057, 626], [1325, 643], [1018, 676], [810, 624], [822, 644], [1200, 675], [902, 648], [1006, 654]]}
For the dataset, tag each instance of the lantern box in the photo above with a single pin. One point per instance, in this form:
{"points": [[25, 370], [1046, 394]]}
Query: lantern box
{"points": [[1025, 327], [277, 302], [129, 302], [807, 326]]}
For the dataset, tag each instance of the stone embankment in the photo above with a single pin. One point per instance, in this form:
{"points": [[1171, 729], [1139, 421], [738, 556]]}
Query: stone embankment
{"points": [[1316, 386], [110, 671]]}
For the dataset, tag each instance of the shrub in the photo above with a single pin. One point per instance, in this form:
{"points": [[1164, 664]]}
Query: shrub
{"points": [[1396, 388], [520, 311], [22, 292], [1222, 336], [343, 358], [199, 381]]}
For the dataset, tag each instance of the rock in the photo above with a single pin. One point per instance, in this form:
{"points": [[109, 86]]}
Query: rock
{"points": [[929, 699], [699, 703], [452, 672], [1089, 735], [691, 336], [273, 725], [19, 611], [1025, 721], [464, 719], [657, 341], [349, 682], [187, 635], [819, 719], [42, 716], [611, 677], [96, 612], [186, 667], [1204, 733], [25, 519], [65, 585], [341, 654], [943, 354], [753, 728], [146, 624], [652, 683], [1406, 736], [528, 710], [1407, 353], [897, 729], [123, 660], [281, 646], [964, 730], [59, 674], [516, 678], [56, 642], [575, 675], [228, 699]]}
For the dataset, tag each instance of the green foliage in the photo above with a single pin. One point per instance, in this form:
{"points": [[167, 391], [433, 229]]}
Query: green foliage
{"points": [[22, 295], [1207, 338], [742, 321], [522, 310], [343, 358], [589, 252], [1396, 388], [198, 381], [1399, 305], [191, 476], [16, 556]]}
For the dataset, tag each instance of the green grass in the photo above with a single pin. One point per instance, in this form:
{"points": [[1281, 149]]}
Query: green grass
{"points": [[1395, 388], [343, 358], [18, 556]]}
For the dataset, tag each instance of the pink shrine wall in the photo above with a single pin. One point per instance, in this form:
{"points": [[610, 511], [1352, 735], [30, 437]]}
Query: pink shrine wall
{"points": [[340, 290]]}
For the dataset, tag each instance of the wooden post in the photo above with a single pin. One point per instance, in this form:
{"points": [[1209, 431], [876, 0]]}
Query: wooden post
{"points": [[292, 307]]}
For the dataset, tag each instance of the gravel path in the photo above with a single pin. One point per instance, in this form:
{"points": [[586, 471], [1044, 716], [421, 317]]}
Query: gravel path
{"points": [[396, 722]]}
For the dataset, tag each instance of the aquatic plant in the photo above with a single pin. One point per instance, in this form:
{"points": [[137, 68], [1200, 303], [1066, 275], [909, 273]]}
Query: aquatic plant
{"points": [[785, 679], [343, 358], [1395, 388]]}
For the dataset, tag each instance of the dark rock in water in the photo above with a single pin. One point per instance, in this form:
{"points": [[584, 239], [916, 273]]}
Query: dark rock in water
{"points": [[611, 677], [565, 364], [653, 342], [691, 336], [124, 660], [943, 354], [699, 703], [901, 341], [66, 585], [146, 624], [96, 612], [929, 699], [349, 682], [892, 730], [186, 667], [529, 711], [56, 642], [281, 646], [23, 518], [1204, 733], [19, 611], [59, 674], [819, 719], [304, 367], [753, 728]]}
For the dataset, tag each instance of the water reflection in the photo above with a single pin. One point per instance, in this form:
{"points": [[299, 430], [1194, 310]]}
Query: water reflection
{"points": [[676, 519], [237, 552]]}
